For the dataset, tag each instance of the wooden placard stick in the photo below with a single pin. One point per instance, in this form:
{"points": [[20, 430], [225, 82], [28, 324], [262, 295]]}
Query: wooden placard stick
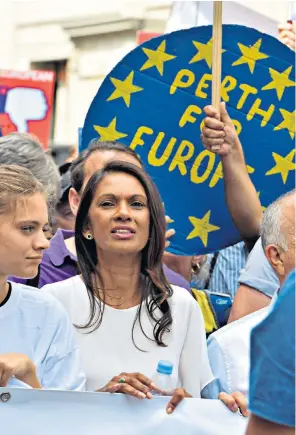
{"points": [[217, 58]]}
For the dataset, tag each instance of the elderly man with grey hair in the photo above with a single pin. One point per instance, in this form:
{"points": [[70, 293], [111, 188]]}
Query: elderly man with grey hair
{"points": [[278, 235], [258, 280], [24, 150], [229, 347]]}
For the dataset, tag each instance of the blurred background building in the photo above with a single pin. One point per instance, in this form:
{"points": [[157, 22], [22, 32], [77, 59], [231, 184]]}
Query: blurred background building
{"points": [[82, 41]]}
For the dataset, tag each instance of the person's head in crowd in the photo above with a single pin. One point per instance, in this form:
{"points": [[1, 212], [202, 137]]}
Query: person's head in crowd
{"points": [[120, 223], [278, 234], [33, 325], [23, 217], [63, 216], [73, 154], [91, 160], [24, 150]]}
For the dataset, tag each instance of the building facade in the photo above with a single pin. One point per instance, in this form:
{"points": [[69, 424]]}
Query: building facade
{"points": [[82, 41]]}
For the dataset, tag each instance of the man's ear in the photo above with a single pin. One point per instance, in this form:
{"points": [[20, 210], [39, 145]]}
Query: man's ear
{"points": [[74, 200], [274, 255]]}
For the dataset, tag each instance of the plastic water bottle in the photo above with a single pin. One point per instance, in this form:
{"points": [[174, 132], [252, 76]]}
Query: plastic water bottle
{"points": [[162, 379]]}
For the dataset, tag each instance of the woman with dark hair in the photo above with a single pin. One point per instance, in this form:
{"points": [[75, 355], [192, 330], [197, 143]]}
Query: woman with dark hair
{"points": [[127, 316]]}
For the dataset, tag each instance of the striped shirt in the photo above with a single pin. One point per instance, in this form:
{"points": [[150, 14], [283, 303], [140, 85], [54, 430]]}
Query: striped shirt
{"points": [[229, 264]]}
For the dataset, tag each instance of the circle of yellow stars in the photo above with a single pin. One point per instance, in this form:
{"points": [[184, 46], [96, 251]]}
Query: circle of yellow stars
{"points": [[250, 55]]}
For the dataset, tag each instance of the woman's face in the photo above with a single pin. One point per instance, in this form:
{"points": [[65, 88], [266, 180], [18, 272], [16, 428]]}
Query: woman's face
{"points": [[22, 237], [119, 216], [96, 161]]}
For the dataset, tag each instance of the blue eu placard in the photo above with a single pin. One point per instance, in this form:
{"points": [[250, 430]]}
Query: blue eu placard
{"points": [[152, 101]]}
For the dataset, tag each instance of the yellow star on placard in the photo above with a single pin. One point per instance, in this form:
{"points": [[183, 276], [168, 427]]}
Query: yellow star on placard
{"points": [[250, 55], [156, 58], [250, 169], [170, 221], [202, 228], [288, 122], [283, 165], [205, 52], [124, 89], [280, 81], [109, 133], [262, 206]]}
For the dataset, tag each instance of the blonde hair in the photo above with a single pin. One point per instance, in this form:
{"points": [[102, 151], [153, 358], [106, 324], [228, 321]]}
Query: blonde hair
{"points": [[16, 183]]}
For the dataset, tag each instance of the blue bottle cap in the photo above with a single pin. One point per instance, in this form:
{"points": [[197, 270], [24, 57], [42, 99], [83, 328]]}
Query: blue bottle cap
{"points": [[165, 367]]}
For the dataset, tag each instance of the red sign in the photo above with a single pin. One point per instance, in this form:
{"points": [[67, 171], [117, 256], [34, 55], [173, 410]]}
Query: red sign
{"points": [[26, 103]]}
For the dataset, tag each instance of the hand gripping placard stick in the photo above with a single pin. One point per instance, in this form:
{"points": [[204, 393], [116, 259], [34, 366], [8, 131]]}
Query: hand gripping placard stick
{"points": [[217, 58]]}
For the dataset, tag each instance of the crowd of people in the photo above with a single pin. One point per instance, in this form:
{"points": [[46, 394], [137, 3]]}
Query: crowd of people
{"points": [[91, 301]]}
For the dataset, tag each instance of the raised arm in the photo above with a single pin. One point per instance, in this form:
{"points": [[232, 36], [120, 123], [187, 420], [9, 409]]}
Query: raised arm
{"points": [[241, 196]]}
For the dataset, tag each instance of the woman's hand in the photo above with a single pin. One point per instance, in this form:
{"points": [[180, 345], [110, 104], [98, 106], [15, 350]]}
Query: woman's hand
{"points": [[235, 402], [133, 384], [219, 134], [19, 366], [137, 385], [178, 396]]}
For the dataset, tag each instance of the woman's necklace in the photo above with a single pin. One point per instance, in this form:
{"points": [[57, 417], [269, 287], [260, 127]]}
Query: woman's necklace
{"points": [[104, 294], [116, 301]]}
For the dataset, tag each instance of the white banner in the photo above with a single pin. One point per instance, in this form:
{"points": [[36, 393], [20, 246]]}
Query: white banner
{"points": [[41, 412]]}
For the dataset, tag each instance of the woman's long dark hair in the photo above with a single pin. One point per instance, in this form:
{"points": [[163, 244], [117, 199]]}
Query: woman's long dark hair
{"points": [[155, 290]]}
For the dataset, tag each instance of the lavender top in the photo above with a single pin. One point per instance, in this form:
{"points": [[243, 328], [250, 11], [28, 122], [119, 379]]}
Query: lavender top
{"points": [[59, 264]]}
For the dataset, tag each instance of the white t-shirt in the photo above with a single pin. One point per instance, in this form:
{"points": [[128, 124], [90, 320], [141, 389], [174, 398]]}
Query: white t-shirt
{"points": [[229, 352], [109, 350], [35, 324]]}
